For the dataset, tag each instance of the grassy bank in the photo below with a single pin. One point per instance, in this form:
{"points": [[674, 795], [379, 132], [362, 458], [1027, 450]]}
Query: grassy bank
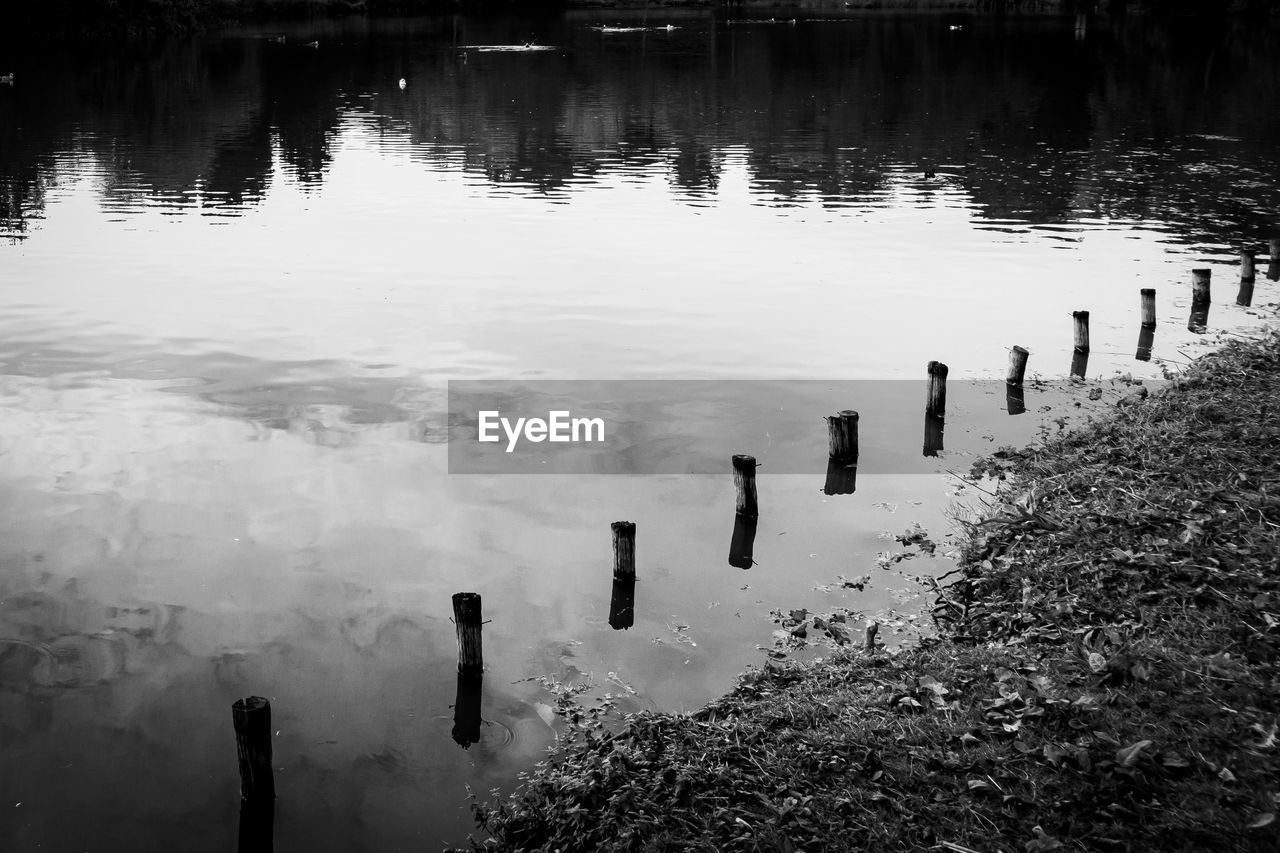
{"points": [[1106, 678]]}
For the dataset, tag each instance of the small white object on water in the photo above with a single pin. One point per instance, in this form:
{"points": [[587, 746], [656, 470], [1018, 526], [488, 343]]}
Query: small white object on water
{"points": [[7, 80], [955, 27], [402, 84]]}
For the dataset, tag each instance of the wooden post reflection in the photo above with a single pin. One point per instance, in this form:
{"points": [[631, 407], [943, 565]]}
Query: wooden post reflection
{"points": [[932, 434], [257, 819], [466, 710], [1014, 400], [1273, 264], [1199, 320], [1247, 275], [842, 478], [251, 719], [1146, 337], [742, 545], [622, 604], [1079, 363]]}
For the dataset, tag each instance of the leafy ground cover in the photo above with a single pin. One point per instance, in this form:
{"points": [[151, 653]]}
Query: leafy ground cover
{"points": [[1104, 677]]}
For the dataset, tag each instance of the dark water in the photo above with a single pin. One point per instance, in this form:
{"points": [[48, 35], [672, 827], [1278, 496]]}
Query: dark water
{"points": [[237, 273]]}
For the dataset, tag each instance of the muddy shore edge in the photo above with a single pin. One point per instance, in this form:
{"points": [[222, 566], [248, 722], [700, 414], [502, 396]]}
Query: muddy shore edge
{"points": [[1104, 677]]}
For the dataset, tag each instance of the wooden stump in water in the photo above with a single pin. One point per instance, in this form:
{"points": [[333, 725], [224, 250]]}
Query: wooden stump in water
{"points": [[842, 436], [622, 604], [1017, 367], [467, 621], [842, 478], [1199, 320], [624, 550], [933, 426], [1148, 307], [744, 477], [936, 399], [1080, 320], [251, 718], [466, 710]]}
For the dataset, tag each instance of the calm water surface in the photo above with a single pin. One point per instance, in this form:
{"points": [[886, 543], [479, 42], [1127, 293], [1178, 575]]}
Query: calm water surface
{"points": [[237, 273]]}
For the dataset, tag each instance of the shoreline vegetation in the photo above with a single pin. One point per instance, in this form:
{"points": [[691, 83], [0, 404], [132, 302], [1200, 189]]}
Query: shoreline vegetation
{"points": [[83, 20], [1105, 675]]}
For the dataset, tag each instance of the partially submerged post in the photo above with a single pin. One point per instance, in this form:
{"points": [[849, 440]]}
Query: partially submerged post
{"points": [[256, 833], [744, 477], [1247, 275], [1017, 367], [872, 629], [1273, 264], [1080, 320], [622, 604], [742, 545], [467, 621], [1014, 400], [466, 710], [936, 401], [1199, 321], [842, 478], [624, 550], [1079, 363], [251, 718], [1148, 307]]}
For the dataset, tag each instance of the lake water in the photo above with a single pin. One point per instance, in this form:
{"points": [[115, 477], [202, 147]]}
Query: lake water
{"points": [[238, 273]]}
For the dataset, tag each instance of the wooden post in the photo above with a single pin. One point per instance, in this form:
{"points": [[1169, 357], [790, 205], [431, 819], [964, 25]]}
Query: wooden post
{"points": [[1148, 307], [872, 629], [624, 550], [467, 621], [251, 718], [466, 710], [936, 402], [1081, 320], [842, 436], [622, 604], [1017, 367], [1146, 337], [1199, 320], [744, 477], [1273, 264]]}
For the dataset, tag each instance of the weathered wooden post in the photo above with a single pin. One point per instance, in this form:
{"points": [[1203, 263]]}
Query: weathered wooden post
{"points": [[1146, 337], [1247, 274], [872, 629], [742, 544], [842, 436], [936, 401], [1017, 367], [1199, 321], [744, 477], [1014, 400], [251, 719], [467, 621], [624, 550], [1273, 263], [842, 453], [622, 604], [933, 427], [1080, 320], [1148, 307], [466, 710]]}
